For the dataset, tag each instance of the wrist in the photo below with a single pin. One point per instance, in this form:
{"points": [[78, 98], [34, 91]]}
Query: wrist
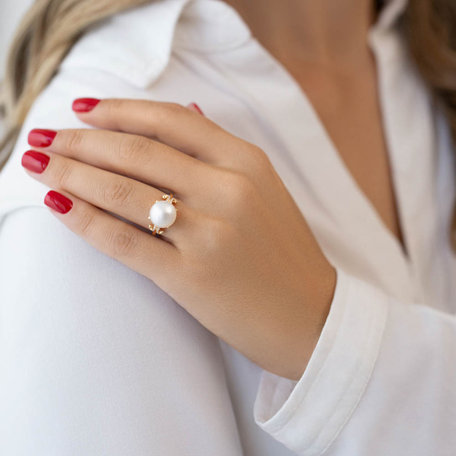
{"points": [[320, 304]]}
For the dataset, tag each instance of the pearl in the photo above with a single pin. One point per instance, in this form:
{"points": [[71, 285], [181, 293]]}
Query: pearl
{"points": [[162, 214]]}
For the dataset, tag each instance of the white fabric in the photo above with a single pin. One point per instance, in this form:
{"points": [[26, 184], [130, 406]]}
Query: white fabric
{"points": [[97, 360]]}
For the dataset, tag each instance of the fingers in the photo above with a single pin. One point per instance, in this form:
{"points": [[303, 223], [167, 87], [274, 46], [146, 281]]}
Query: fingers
{"points": [[138, 250], [117, 194], [169, 123], [141, 158]]}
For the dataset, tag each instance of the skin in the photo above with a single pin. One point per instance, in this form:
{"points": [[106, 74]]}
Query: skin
{"points": [[226, 259], [323, 45]]}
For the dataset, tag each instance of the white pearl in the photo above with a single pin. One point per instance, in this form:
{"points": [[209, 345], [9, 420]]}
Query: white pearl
{"points": [[162, 214]]}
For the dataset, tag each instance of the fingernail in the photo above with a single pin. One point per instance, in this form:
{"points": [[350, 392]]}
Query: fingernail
{"points": [[195, 107], [58, 202], [35, 161], [41, 138], [84, 104]]}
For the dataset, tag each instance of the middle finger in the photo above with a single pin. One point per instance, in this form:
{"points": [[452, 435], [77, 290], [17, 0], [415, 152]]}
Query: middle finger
{"points": [[141, 158]]}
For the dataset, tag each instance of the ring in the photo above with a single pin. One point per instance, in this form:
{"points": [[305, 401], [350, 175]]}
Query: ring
{"points": [[162, 214]]}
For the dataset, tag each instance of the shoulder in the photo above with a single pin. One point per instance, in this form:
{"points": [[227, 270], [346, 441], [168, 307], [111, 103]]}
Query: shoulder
{"points": [[134, 45]]}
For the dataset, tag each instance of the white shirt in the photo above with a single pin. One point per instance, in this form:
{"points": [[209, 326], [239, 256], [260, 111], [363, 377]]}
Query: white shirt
{"points": [[97, 360]]}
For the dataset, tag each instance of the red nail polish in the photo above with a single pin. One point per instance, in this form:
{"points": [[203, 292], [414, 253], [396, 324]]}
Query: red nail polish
{"points": [[35, 161], [41, 138], [194, 105], [58, 202], [84, 104]]}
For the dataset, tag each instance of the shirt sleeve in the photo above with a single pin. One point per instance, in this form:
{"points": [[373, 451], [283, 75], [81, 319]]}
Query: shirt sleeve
{"points": [[381, 381]]}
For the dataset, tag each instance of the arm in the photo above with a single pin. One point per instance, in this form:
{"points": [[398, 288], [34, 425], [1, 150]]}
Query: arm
{"points": [[381, 381]]}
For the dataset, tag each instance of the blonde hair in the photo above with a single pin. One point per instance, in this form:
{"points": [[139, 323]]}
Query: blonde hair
{"points": [[51, 27], [45, 35]]}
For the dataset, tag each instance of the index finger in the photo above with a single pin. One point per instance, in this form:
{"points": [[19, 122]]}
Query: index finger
{"points": [[167, 122]]}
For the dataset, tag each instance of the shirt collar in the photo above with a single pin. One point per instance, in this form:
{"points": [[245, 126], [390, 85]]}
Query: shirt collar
{"points": [[136, 45]]}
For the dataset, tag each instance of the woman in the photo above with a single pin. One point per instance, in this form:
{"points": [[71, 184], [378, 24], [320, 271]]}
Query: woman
{"points": [[307, 194]]}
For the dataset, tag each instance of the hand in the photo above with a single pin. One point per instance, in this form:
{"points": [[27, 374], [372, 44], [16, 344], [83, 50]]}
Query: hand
{"points": [[240, 257]]}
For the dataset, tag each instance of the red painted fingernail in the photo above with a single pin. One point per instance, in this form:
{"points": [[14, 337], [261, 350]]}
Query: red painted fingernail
{"points": [[35, 161], [196, 107], [84, 104], [41, 138], [58, 202]]}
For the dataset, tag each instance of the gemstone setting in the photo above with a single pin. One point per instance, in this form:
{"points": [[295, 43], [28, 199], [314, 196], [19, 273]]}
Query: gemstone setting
{"points": [[162, 214]]}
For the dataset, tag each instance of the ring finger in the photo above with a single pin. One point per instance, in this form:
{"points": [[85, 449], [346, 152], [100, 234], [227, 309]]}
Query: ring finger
{"points": [[126, 197]]}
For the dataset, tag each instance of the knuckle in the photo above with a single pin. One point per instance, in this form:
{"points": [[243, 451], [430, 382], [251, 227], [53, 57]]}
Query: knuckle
{"points": [[240, 190], [256, 160], [86, 223], [118, 192], [215, 238], [259, 155], [113, 109], [73, 140], [63, 173], [122, 243], [133, 148], [174, 107], [169, 110]]}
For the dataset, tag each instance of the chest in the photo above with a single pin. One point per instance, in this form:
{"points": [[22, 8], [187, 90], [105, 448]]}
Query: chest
{"points": [[349, 108]]}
